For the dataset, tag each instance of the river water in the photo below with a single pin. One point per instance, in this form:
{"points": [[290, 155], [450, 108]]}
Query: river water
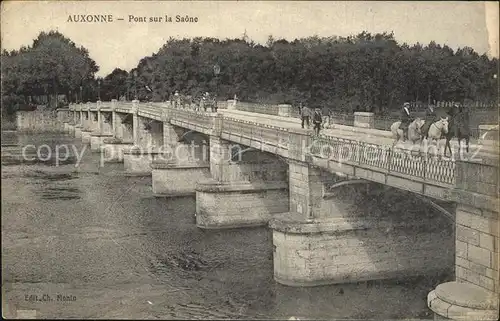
{"points": [[100, 239]]}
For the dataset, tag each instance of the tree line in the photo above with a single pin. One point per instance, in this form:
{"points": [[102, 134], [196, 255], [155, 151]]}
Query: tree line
{"points": [[53, 66], [361, 72]]}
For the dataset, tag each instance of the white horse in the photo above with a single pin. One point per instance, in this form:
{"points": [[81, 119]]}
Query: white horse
{"points": [[437, 129], [413, 130]]}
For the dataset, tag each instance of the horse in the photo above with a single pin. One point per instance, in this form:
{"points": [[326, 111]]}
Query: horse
{"points": [[458, 127], [437, 129], [413, 130]]}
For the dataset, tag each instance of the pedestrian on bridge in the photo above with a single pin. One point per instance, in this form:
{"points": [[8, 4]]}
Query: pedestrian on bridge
{"points": [[177, 99], [405, 120], [305, 114], [325, 111], [317, 120]]}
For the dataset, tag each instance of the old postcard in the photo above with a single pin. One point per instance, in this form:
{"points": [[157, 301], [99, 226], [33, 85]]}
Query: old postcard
{"points": [[284, 160]]}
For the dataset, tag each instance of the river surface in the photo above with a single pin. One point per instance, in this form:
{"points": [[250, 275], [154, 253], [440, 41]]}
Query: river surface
{"points": [[100, 239]]}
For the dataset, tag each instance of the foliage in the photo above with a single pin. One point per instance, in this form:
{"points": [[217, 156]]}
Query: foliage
{"points": [[52, 65], [367, 72]]}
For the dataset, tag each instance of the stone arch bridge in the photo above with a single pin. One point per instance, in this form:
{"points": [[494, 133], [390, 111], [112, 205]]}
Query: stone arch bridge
{"points": [[251, 169]]}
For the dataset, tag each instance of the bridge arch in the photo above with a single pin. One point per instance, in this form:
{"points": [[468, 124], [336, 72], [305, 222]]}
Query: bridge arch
{"points": [[386, 232], [328, 195]]}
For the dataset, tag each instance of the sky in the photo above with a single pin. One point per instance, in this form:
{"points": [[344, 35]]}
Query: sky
{"points": [[121, 44]]}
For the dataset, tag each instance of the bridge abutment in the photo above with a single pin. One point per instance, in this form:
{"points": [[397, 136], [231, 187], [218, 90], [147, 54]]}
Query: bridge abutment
{"points": [[474, 295], [246, 188]]}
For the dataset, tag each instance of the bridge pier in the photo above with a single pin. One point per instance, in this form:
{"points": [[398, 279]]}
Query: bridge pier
{"points": [[73, 122], [78, 123], [101, 130], [123, 136], [104, 131], [475, 293], [243, 190], [148, 142], [183, 163], [87, 126]]}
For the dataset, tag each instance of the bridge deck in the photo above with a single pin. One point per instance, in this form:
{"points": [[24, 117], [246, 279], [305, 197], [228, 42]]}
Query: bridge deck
{"points": [[348, 132]]}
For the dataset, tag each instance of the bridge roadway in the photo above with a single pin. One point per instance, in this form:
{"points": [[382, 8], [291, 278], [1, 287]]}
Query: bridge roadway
{"points": [[369, 136]]}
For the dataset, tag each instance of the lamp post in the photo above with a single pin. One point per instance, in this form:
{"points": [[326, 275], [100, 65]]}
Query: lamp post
{"points": [[81, 94], [216, 73], [135, 84], [99, 89]]}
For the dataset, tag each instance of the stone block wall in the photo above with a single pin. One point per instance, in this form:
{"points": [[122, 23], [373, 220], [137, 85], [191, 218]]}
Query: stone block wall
{"points": [[254, 171], [477, 223], [64, 115], [143, 135], [123, 131], [39, 121], [306, 188], [106, 125], [93, 121], [477, 247], [478, 177], [357, 251], [220, 154], [156, 133], [177, 180], [117, 125], [171, 134], [239, 208]]}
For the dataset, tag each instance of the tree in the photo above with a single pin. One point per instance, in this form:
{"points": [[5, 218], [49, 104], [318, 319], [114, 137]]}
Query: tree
{"points": [[52, 66]]}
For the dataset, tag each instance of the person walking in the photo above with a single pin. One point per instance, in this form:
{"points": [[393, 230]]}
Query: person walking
{"points": [[305, 114], [331, 117], [325, 111], [177, 99], [317, 120]]}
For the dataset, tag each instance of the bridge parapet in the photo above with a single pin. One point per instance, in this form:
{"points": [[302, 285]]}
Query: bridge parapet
{"points": [[123, 107], [92, 106], [267, 138], [417, 165]]}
